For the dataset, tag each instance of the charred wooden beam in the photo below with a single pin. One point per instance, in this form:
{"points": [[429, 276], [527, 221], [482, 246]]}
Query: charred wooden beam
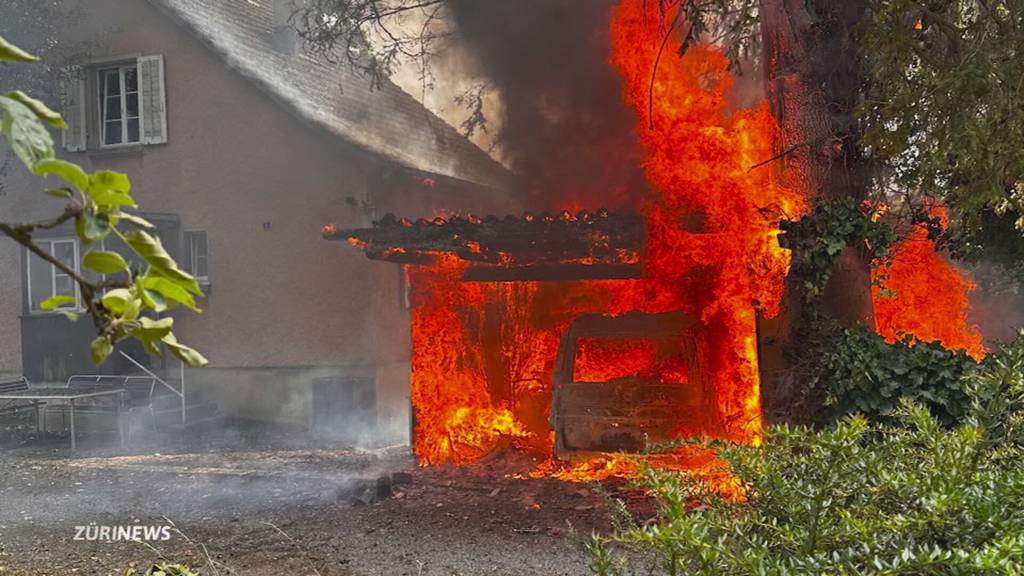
{"points": [[560, 272], [567, 246]]}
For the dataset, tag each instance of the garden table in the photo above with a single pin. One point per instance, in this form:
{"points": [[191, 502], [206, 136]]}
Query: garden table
{"points": [[71, 396]]}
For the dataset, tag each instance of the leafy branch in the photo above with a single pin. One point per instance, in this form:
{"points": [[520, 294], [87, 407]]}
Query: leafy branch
{"points": [[128, 301], [818, 238]]}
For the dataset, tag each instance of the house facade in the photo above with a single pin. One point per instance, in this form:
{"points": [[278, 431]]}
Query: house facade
{"points": [[240, 146]]}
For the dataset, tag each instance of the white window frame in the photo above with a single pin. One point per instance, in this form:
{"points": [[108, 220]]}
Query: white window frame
{"points": [[54, 273], [101, 84], [191, 256]]}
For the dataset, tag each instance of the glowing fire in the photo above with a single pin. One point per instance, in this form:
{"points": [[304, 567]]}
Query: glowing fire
{"points": [[607, 359], [929, 299], [483, 353], [700, 463]]}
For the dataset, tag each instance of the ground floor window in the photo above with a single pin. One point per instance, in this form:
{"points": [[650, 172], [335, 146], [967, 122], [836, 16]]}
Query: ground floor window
{"points": [[46, 280]]}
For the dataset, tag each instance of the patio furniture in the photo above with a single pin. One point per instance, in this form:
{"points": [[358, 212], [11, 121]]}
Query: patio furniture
{"points": [[13, 406], [71, 396], [137, 398]]}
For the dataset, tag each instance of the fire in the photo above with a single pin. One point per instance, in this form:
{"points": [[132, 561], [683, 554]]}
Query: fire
{"points": [[454, 410], [606, 359], [930, 297], [484, 352], [698, 154], [700, 463]]}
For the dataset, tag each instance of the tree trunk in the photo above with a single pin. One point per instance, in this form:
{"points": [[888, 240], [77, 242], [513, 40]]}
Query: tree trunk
{"points": [[814, 78]]}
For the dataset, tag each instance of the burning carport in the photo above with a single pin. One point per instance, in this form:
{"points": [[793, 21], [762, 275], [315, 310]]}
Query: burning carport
{"points": [[545, 332], [484, 351]]}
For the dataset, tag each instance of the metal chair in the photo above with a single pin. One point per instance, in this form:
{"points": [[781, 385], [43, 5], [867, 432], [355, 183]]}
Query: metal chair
{"points": [[17, 384]]}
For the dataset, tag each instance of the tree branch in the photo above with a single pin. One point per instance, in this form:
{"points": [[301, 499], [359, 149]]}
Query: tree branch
{"points": [[70, 211], [654, 69], [22, 234]]}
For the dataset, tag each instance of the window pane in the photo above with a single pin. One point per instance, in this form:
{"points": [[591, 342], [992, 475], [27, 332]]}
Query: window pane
{"points": [[65, 252], [131, 79], [132, 105], [113, 109], [133, 130], [197, 260], [40, 280], [113, 133], [113, 82], [64, 287]]}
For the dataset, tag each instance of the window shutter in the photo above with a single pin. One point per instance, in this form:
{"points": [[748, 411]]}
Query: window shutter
{"points": [[154, 99], [73, 104]]}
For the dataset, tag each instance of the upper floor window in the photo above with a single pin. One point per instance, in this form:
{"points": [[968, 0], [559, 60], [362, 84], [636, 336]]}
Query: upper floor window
{"points": [[116, 102], [46, 280], [119, 105], [197, 256]]}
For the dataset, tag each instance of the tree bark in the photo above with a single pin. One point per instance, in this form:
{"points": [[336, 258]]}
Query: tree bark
{"points": [[815, 76]]}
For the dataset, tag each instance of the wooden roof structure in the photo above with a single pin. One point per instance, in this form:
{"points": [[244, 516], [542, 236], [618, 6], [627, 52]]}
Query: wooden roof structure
{"points": [[582, 246]]}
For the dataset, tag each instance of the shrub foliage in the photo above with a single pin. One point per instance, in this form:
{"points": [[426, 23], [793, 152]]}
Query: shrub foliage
{"points": [[861, 373], [859, 498]]}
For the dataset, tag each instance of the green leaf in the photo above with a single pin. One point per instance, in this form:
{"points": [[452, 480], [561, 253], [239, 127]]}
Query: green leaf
{"points": [[91, 227], [101, 347], [151, 347], [151, 330], [118, 301], [110, 189], [55, 302], [64, 193], [104, 262], [73, 316], [12, 53], [169, 290], [184, 353], [70, 172], [154, 300], [136, 220], [152, 251], [25, 133], [41, 110]]}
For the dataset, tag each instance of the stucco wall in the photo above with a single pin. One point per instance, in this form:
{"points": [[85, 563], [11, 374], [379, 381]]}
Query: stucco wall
{"points": [[262, 182]]}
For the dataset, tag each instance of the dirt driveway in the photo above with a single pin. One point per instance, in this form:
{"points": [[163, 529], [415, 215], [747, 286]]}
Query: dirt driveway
{"points": [[272, 510]]}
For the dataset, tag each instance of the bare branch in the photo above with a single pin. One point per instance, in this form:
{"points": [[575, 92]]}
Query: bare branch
{"points": [[373, 36]]}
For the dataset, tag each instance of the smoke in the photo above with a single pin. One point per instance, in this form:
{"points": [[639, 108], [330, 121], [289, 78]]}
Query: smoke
{"points": [[997, 302], [564, 126]]}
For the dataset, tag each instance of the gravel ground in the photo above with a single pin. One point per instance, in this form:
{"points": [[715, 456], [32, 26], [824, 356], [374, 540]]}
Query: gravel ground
{"points": [[259, 503]]}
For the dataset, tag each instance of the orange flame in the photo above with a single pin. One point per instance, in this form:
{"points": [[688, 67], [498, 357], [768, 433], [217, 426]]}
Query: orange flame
{"points": [[483, 353], [929, 299]]}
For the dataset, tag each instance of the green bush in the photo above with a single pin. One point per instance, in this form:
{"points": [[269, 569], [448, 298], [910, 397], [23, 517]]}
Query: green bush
{"points": [[860, 373], [857, 499]]}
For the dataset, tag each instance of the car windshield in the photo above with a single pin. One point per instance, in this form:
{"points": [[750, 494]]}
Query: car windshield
{"points": [[605, 359]]}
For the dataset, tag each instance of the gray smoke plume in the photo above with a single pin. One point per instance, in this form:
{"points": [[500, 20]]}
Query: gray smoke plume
{"points": [[566, 129]]}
